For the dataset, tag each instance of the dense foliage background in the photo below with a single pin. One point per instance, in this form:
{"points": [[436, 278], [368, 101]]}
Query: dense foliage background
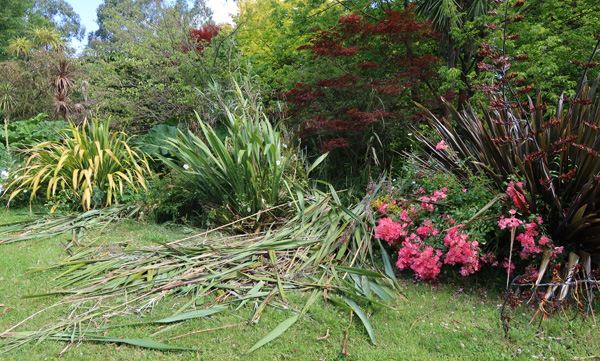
{"points": [[497, 91]]}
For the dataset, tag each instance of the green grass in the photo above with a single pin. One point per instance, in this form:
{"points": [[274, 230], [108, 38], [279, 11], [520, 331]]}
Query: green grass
{"points": [[439, 322]]}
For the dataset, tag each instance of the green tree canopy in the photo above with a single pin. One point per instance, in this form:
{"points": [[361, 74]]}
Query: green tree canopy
{"points": [[61, 14], [12, 22]]}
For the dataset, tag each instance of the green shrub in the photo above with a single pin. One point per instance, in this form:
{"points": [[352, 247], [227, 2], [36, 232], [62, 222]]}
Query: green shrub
{"points": [[28, 132], [154, 143], [170, 199], [89, 163]]}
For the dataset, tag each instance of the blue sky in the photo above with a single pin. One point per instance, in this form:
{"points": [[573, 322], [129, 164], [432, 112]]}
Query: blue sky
{"points": [[87, 11]]}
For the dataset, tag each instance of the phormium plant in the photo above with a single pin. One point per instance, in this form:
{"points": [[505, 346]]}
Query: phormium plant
{"points": [[250, 171], [90, 163], [555, 155]]}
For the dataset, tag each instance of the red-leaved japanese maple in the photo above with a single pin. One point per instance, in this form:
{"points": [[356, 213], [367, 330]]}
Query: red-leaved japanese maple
{"points": [[201, 38], [373, 73]]}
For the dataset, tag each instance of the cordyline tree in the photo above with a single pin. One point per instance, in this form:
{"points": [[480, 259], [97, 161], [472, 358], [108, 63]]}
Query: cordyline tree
{"points": [[380, 67]]}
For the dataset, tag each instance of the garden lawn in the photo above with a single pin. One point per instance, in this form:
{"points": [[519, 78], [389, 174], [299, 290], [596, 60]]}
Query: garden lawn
{"points": [[445, 321]]}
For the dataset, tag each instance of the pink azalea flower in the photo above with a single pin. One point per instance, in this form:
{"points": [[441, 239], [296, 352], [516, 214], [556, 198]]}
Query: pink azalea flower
{"points": [[383, 209], [441, 145], [390, 231]]}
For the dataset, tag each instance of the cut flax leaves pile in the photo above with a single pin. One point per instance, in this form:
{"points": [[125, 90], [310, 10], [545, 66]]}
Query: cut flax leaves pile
{"points": [[323, 248]]}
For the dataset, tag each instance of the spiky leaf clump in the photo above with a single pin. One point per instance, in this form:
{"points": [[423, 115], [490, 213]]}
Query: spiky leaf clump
{"points": [[90, 162]]}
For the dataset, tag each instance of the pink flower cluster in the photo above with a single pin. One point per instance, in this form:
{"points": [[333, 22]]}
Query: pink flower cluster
{"points": [[427, 230], [441, 145], [509, 223], [505, 265], [408, 215], [527, 239], [437, 195], [425, 264], [412, 233], [460, 250], [390, 231], [528, 242]]}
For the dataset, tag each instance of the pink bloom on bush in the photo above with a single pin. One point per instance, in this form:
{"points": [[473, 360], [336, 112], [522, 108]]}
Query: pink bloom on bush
{"points": [[426, 264], [425, 205], [407, 254], [505, 265], [490, 258], [527, 240], [413, 237], [517, 197], [406, 216], [528, 244], [557, 250], [427, 230], [464, 190], [390, 231], [383, 209], [543, 240], [439, 194], [441, 145], [511, 222], [462, 251]]}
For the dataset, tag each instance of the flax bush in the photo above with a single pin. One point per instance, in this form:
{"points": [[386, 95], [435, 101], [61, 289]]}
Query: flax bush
{"points": [[250, 170], [90, 164]]}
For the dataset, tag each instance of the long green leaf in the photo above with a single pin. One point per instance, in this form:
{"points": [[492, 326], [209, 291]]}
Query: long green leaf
{"points": [[359, 312], [139, 342], [276, 332], [193, 314]]}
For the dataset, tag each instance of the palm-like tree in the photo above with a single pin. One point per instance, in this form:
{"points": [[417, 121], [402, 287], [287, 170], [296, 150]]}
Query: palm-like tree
{"points": [[62, 80], [20, 46], [447, 15], [47, 38]]}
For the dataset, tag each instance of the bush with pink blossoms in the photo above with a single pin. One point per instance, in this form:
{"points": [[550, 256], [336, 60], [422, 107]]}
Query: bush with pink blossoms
{"points": [[390, 231], [425, 223], [433, 222], [461, 251]]}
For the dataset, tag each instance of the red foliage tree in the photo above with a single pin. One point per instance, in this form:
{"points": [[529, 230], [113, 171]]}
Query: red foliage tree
{"points": [[201, 38], [379, 72]]}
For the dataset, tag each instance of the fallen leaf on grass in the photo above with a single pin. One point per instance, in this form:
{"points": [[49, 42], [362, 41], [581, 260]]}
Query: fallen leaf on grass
{"points": [[6, 310]]}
